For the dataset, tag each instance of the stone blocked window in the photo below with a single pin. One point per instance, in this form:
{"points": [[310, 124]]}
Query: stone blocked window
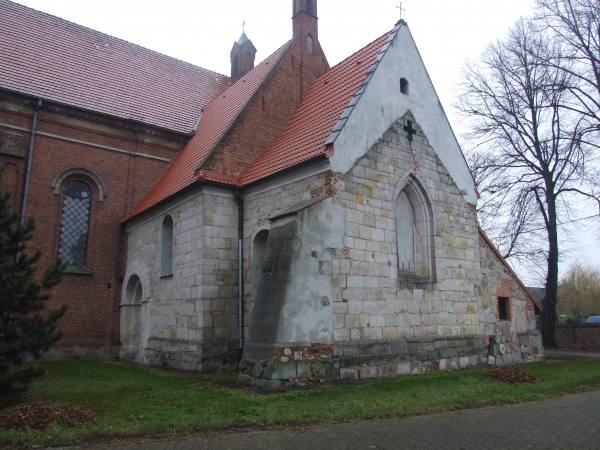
{"points": [[414, 234], [75, 223], [166, 247]]}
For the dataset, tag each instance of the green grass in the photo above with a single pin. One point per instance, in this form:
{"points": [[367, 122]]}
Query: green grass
{"points": [[132, 401]]}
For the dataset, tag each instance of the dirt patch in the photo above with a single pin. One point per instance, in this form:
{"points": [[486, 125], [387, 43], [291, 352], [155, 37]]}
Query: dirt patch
{"points": [[512, 375], [40, 415]]}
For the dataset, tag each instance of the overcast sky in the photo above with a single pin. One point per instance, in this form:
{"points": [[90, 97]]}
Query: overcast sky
{"points": [[202, 32]]}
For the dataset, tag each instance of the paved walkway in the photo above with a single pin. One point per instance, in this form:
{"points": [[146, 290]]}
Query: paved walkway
{"points": [[571, 422]]}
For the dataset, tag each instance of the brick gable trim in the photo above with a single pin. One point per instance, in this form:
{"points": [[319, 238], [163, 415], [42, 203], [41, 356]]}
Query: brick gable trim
{"points": [[508, 268]]}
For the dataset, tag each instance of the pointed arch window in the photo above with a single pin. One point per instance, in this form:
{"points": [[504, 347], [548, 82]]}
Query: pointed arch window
{"points": [[75, 223], [166, 247], [310, 45], [414, 234], [309, 7]]}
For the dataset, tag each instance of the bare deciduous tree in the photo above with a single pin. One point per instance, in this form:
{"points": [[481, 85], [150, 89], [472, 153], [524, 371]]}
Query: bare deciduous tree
{"points": [[528, 154], [576, 23]]}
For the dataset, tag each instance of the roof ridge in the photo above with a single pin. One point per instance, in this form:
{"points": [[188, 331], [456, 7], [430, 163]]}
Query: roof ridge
{"points": [[83, 27], [354, 54]]}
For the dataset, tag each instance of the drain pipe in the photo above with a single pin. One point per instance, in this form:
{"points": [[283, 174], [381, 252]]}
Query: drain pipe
{"points": [[240, 201], [29, 161], [26, 188]]}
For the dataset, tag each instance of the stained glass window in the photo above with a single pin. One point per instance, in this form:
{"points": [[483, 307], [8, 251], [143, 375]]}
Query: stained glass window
{"points": [[75, 223]]}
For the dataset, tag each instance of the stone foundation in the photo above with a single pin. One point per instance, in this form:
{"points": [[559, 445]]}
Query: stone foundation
{"points": [[191, 355], [358, 360], [81, 353]]}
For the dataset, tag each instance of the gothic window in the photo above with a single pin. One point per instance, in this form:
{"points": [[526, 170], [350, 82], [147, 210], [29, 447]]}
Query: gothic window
{"points": [[310, 45], [296, 6], [309, 7], [166, 247], [404, 86], [74, 223], [405, 229], [414, 233]]}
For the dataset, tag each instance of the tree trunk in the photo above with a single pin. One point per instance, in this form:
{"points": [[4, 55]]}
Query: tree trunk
{"points": [[549, 302]]}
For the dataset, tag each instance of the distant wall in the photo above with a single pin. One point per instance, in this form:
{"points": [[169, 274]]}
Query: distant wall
{"points": [[585, 333]]}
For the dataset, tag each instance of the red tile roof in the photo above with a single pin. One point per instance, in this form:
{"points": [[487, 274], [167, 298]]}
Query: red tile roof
{"points": [[304, 136], [218, 116], [48, 57]]}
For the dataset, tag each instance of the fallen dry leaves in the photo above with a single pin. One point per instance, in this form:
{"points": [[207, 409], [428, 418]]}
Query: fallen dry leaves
{"points": [[511, 375], [40, 415]]}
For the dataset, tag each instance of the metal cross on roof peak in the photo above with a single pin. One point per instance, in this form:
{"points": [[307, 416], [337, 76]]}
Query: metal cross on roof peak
{"points": [[401, 9], [243, 26]]}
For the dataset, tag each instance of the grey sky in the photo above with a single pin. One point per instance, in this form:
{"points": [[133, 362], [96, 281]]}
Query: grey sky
{"points": [[202, 32]]}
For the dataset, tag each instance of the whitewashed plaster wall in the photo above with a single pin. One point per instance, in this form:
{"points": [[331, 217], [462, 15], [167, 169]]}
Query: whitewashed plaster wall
{"points": [[382, 103]]}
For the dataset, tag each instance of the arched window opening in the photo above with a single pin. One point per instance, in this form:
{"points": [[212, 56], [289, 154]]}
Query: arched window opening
{"points": [[74, 223], [404, 86], [309, 7], [310, 45], [166, 247], [259, 245], [414, 234], [131, 313]]}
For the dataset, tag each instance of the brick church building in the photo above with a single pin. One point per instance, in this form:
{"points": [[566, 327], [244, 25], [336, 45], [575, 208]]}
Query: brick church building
{"points": [[293, 220]]}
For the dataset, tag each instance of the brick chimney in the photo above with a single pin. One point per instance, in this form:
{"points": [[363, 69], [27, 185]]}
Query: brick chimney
{"points": [[242, 57]]}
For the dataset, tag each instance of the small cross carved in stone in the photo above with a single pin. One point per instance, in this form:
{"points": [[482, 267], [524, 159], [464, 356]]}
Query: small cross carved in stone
{"points": [[410, 130]]}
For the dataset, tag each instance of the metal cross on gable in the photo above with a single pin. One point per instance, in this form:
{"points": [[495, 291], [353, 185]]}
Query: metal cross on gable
{"points": [[410, 130], [401, 9], [243, 26]]}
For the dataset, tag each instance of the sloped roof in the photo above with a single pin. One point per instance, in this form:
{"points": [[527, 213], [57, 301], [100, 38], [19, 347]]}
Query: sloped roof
{"points": [[494, 249], [218, 116], [48, 57], [305, 134]]}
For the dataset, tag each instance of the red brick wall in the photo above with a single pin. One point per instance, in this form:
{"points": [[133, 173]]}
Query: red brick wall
{"points": [[93, 316], [267, 113], [578, 334]]}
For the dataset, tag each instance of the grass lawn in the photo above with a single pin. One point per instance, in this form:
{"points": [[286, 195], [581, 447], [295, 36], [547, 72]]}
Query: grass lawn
{"points": [[132, 401]]}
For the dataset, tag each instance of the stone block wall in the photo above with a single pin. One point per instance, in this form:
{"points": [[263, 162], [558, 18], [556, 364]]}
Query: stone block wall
{"points": [[375, 301], [190, 318], [359, 360]]}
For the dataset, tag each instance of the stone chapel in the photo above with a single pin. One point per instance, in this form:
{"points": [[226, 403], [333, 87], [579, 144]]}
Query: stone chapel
{"points": [[293, 221]]}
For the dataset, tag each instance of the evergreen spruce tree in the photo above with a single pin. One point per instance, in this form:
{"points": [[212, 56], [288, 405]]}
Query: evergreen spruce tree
{"points": [[25, 327]]}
